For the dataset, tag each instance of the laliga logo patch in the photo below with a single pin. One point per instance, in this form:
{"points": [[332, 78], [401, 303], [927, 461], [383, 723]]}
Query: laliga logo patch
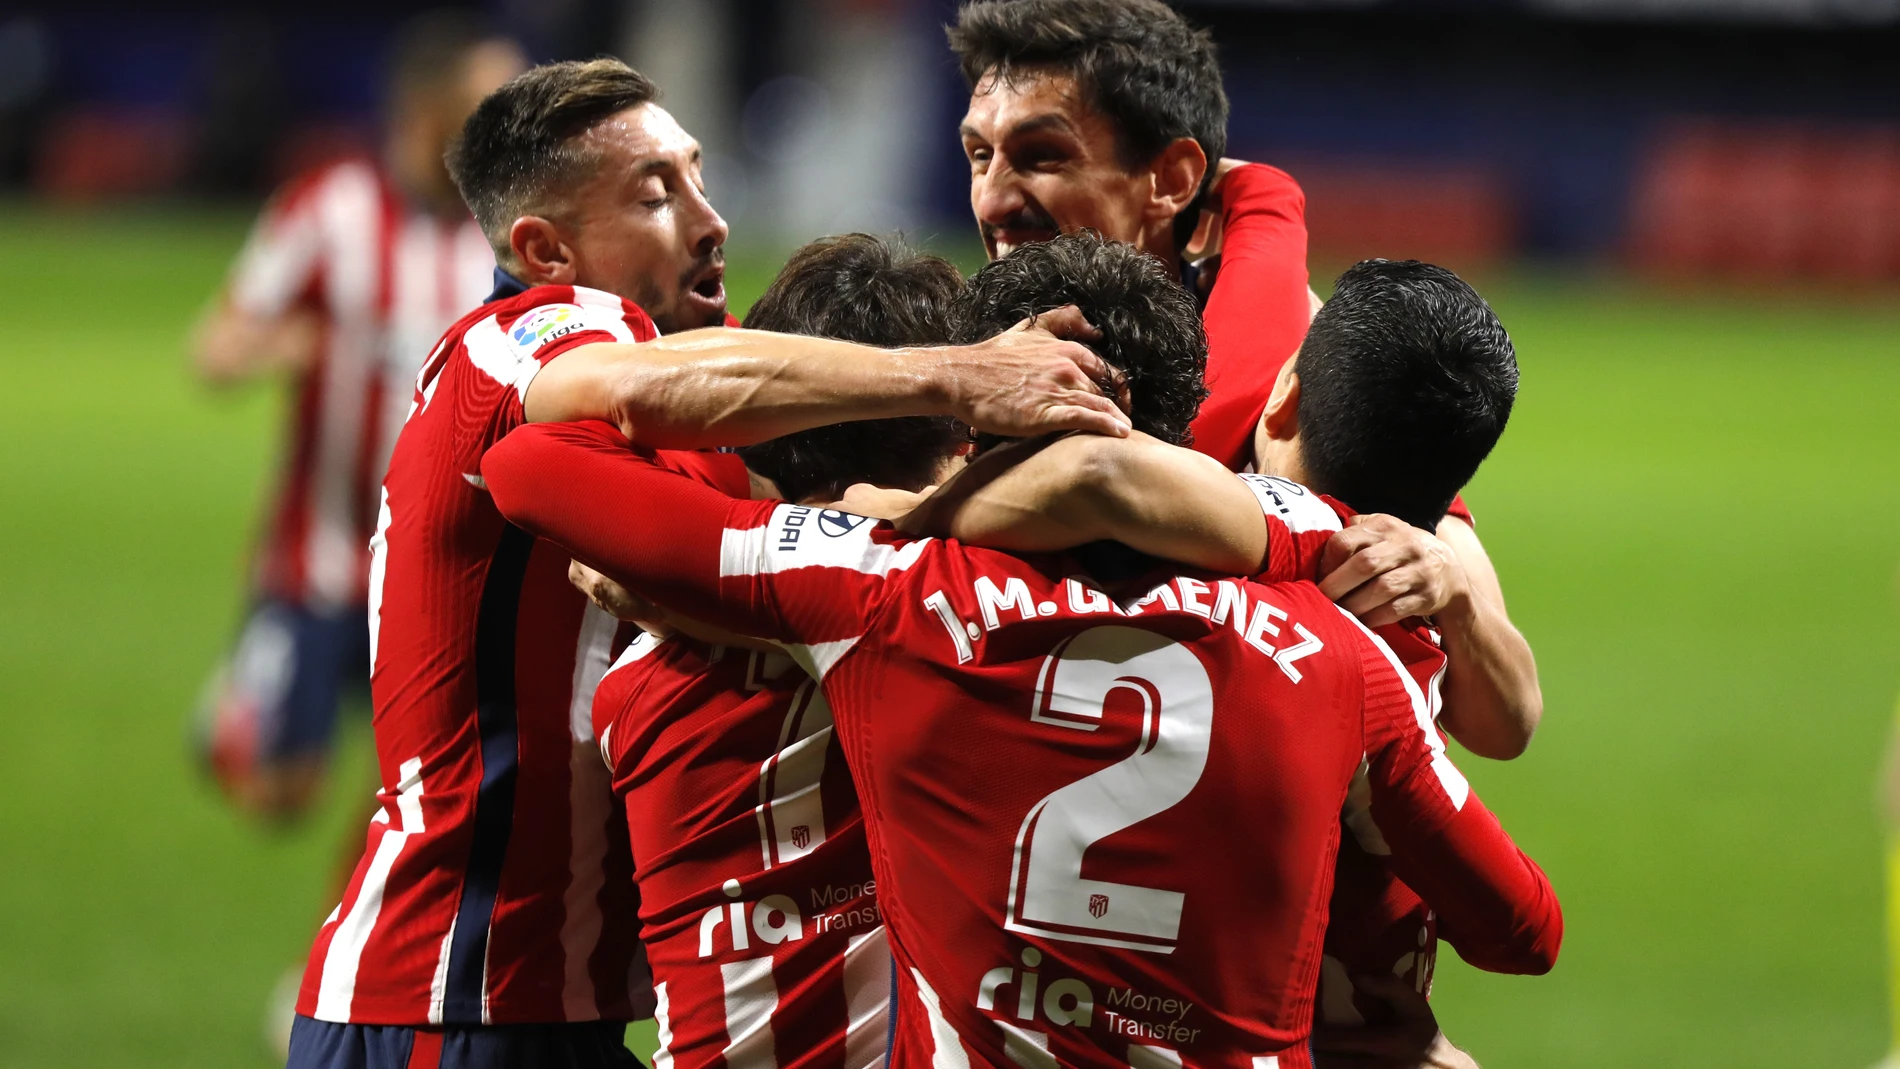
{"points": [[837, 524], [545, 324]]}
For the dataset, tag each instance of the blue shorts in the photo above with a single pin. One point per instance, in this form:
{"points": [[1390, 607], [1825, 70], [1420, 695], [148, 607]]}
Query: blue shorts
{"points": [[590, 1045], [275, 698]]}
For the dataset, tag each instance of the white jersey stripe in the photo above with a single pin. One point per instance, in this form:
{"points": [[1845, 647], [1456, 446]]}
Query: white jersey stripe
{"points": [[590, 795], [791, 809], [1457, 788], [663, 1023], [798, 536], [867, 999], [337, 988], [1143, 1056], [946, 1048], [1025, 1048], [751, 996]]}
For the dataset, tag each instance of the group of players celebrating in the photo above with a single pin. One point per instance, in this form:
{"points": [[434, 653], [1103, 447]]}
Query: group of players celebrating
{"points": [[909, 675]]}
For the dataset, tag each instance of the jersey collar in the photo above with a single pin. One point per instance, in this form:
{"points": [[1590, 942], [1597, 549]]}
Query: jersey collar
{"points": [[506, 286]]}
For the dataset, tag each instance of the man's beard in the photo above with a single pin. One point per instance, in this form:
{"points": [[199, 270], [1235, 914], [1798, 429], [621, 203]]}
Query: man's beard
{"points": [[668, 314]]}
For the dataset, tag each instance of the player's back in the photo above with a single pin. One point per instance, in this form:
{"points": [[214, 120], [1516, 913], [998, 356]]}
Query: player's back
{"points": [[1106, 831], [757, 907]]}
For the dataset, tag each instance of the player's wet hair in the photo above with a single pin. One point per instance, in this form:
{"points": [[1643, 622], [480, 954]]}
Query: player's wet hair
{"points": [[859, 288], [1406, 382], [522, 144], [1138, 62], [1150, 327]]}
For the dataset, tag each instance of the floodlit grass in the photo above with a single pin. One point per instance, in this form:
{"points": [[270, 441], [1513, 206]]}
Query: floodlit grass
{"points": [[1696, 513]]}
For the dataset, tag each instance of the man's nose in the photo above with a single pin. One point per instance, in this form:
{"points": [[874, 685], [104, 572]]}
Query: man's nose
{"points": [[996, 195], [709, 228]]}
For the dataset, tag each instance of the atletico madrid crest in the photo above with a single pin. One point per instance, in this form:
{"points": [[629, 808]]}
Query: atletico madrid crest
{"points": [[801, 836], [1098, 905]]}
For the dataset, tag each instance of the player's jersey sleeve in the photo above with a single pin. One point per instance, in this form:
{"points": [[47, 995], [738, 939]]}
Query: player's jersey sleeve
{"points": [[1461, 510], [1259, 308], [806, 577], [486, 377], [1495, 906], [281, 262], [1299, 524]]}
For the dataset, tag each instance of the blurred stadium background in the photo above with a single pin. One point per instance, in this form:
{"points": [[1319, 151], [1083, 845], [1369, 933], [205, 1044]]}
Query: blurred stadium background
{"points": [[1686, 211]]}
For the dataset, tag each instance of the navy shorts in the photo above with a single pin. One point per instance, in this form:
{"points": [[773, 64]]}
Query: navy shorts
{"points": [[589, 1045], [276, 697]]}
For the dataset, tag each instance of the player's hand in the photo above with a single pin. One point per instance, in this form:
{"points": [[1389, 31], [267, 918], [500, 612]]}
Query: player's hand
{"points": [[1411, 1041], [1383, 570], [880, 503], [1037, 377], [616, 600]]}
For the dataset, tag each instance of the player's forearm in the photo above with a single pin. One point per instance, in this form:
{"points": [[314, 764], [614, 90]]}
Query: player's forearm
{"points": [[1493, 702], [230, 346], [1495, 905], [1492, 699], [655, 531], [1167, 502], [734, 387]]}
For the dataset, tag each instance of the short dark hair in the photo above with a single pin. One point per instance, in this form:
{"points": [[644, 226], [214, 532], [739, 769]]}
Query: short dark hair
{"points": [[1138, 62], [1406, 381], [1150, 327], [859, 288], [519, 144]]}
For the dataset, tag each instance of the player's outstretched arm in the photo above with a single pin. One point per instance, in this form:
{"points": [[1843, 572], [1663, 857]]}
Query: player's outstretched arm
{"points": [[719, 386], [1384, 570], [680, 544], [1495, 906], [1052, 494], [230, 345]]}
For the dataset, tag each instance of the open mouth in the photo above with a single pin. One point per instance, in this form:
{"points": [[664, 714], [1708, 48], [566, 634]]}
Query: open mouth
{"points": [[1009, 241], [711, 287]]}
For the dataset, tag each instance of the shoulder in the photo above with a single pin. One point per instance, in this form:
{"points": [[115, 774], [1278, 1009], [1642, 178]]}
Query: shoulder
{"points": [[328, 188], [1294, 505], [1261, 179]]}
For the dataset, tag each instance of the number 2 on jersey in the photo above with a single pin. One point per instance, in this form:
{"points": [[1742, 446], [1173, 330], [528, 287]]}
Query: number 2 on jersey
{"points": [[1048, 895]]}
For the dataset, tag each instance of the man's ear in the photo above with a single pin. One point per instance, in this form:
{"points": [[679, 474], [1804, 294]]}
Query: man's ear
{"points": [[1177, 175], [545, 259], [1281, 420]]}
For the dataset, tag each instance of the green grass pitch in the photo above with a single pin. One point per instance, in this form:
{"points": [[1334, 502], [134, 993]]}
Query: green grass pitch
{"points": [[1696, 513]]}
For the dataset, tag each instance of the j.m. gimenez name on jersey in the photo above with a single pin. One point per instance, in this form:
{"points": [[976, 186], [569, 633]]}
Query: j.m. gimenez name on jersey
{"points": [[1103, 829]]}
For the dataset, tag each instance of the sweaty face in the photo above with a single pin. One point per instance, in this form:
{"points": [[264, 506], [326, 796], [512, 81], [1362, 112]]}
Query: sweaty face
{"points": [[641, 226], [1043, 162]]}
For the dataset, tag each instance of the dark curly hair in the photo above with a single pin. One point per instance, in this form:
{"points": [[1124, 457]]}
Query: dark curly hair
{"points": [[1151, 329], [1406, 381], [859, 288], [1138, 62]]}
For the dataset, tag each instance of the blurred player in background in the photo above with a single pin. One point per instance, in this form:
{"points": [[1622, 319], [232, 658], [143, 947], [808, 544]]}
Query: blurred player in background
{"points": [[351, 273]]}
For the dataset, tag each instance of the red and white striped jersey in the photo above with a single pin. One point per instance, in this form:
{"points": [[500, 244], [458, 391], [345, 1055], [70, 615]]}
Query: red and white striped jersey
{"points": [[1103, 827], [757, 903], [385, 279], [495, 884]]}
